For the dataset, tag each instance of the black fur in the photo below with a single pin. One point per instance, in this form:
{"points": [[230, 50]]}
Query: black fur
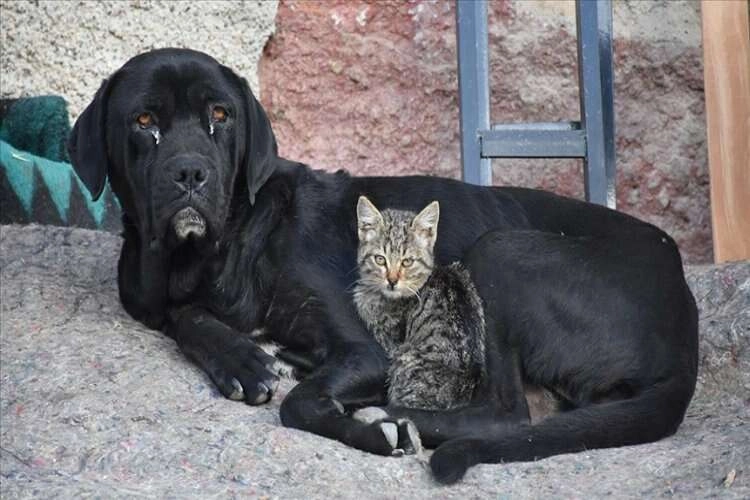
{"points": [[583, 300], [610, 328]]}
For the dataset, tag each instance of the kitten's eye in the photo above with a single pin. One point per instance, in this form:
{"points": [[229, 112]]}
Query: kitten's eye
{"points": [[407, 262], [219, 114], [145, 120], [380, 260]]}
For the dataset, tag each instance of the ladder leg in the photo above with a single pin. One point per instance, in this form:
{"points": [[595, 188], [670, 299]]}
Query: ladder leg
{"points": [[473, 85], [594, 30]]}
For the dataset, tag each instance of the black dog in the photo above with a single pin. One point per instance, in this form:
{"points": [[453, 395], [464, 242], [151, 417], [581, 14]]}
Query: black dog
{"points": [[224, 238]]}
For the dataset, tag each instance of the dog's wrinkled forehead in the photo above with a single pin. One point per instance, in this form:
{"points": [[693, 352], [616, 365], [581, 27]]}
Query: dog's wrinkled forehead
{"points": [[183, 82]]}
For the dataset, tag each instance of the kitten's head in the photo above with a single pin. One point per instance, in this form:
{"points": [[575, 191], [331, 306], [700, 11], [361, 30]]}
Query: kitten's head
{"points": [[396, 248]]}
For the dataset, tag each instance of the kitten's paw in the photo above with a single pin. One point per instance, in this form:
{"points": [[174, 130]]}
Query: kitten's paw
{"points": [[408, 437], [390, 431], [402, 435]]}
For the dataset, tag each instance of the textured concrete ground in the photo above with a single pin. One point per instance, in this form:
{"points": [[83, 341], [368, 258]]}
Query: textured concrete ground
{"points": [[92, 404]]}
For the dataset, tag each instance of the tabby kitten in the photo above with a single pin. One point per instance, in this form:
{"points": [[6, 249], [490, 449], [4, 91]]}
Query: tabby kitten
{"points": [[429, 320]]}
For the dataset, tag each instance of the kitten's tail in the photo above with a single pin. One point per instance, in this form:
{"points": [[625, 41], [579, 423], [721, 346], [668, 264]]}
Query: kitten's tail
{"points": [[653, 414]]}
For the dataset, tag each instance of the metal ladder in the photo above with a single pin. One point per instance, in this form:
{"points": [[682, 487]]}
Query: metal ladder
{"points": [[592, 138]]}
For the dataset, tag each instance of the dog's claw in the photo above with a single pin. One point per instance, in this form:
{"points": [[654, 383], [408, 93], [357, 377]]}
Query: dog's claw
{"points": [[272, 384], [338, 405], [238, 394], [265, 393]]}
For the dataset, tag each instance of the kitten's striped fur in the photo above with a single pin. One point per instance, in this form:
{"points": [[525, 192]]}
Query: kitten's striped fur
{"points": [[429, 321]]}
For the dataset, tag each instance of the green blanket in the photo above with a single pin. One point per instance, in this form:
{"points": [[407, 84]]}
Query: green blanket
{"points": [[36, 183], [37, 125]]}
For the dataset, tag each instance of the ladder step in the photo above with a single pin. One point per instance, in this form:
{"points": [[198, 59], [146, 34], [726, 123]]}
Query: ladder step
{"points": [[533, 140]]}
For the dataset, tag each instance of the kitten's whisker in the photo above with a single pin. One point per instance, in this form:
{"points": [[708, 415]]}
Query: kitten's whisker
{"points": [[415, 292], [351, 285], [367, 285]]}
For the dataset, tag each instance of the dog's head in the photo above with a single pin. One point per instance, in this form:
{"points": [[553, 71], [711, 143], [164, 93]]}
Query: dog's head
{"points": [[180, 138]]}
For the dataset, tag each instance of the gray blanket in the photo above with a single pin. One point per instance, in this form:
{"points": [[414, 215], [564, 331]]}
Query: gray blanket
{"points": [[93, 404]]}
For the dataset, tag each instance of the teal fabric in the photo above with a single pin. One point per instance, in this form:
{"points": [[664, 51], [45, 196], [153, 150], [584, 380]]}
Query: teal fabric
{"points": [[38, 125], [29, 177]]}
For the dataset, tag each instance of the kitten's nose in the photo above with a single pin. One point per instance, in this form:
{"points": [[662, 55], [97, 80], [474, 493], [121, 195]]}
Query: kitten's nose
{"points": [[392, 283]]}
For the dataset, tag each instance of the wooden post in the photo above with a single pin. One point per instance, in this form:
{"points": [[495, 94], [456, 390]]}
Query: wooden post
{"points": [[726, 59]]}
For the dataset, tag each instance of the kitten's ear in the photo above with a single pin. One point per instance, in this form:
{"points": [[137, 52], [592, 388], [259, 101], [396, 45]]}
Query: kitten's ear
{"points": [[425, 225], [369, 219]]}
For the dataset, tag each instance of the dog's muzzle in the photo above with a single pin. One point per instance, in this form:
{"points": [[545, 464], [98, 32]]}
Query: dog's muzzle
{"points": [[188, 221]]}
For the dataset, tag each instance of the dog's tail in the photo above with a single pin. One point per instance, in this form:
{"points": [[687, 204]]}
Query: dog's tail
{"points": [[649, 416]]}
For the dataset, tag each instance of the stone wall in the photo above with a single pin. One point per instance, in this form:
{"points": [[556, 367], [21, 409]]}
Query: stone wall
{"points": [[67, 47], [371, 86]]}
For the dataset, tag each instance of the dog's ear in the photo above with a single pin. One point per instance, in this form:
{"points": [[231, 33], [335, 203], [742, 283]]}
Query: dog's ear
{"points": [[261, 151], [87, 144]]}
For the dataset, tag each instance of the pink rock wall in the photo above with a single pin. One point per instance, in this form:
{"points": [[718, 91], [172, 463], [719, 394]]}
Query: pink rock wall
{"points": [[371, 86]]}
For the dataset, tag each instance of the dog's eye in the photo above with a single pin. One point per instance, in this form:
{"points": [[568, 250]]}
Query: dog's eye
{"points": [[219, 114], [380, 260], [145, 120]]}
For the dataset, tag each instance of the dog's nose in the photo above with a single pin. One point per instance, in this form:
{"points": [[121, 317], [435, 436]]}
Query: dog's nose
{"points": [[191, 177]]}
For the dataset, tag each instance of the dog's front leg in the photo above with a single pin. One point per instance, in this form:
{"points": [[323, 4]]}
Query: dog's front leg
{"points": [[354, 377], [143, 279], [239, 368]]}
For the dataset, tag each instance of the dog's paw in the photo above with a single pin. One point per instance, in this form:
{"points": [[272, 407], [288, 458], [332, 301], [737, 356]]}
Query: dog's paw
{"points": [[401, 434], [451, 460], [244, 373]]}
